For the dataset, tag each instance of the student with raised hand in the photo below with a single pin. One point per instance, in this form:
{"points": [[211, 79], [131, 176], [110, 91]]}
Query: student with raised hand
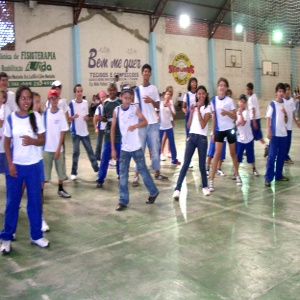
{"points": [[224, 114], [129, 119], [197, 138], [24, 133], [277, 119]]}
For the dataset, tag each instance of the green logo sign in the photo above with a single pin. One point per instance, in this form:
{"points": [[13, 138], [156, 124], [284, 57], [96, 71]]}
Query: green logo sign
{"points": [[38, 65]]}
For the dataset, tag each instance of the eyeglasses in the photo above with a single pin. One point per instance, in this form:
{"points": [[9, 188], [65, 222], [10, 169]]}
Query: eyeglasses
{"points": [[26, 98]]}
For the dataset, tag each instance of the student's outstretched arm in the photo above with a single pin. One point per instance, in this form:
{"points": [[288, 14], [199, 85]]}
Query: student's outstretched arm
{"points": [[141, 124]]}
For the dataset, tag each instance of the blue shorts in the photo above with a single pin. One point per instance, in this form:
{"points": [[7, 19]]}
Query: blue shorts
{"points": [[249, 147], [211, 150], [257, 133]]}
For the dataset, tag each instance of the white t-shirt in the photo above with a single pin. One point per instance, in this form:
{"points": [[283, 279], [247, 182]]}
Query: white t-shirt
{"points": [[4, 112], [165, 117], [217, 105], [79, 125], [23, 155], [275, 113], [245, 134], [55, 123], [195, 125], [130, 140], [290, 107], [253, 103], [147, 109], [62, 104], [11, 101], [118, 85], [189, 98], [98, 112]]}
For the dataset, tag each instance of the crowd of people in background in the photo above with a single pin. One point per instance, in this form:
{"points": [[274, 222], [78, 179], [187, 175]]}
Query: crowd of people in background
{"points": [[129, 120]]}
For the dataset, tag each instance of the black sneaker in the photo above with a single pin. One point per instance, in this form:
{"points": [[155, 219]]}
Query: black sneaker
{"points": [[267, 183], [120, 207], [99, 185], [266, 151], [160, 177], [283, 179], [63, 194], [151, 199]]}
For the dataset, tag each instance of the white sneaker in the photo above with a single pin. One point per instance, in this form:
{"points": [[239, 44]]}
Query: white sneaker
{"points": [[162, 157], [135, 181], [220, 172], [45, 226], [73, 177], [255, 173], [176, 194], [238, 180], [207, 172], [206, 191], [191, 165], [112, 162], [211, 185], [169, 155], [5, 247], [42, 242]]}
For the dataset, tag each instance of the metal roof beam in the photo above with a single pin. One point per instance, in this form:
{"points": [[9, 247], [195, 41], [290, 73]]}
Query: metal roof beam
{"points": [[157, 14], [226, 7], [197, 4], [77, 11]]}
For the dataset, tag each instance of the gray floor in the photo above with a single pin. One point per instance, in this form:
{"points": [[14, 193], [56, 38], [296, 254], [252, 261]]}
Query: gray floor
{"points": [[238, 243]]}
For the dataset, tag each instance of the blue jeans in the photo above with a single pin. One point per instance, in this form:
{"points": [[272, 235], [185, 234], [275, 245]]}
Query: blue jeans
{"points": [[30, 175], [170, 135], [76, 152], [194, 141], [139, 158], [106, 155], [150, 134], [277, 152]]}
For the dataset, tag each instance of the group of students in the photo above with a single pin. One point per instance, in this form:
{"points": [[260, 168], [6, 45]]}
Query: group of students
{"points": [[131, 122]]}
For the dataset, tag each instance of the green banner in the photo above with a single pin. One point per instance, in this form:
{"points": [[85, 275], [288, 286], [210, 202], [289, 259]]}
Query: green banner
{"points": [[30, 83]]}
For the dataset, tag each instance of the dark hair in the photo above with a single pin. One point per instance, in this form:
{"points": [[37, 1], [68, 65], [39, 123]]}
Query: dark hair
{"points": [[296, 87], [4, 94], [206, 100], [146, 66], [34, 94], [32, 119], [280, 86], [169, 86], [224, 80], [190, 81], [76, 86], [3, 74], [287, 86], [54, 87], [116, 76], [243, 96], [250, 86]]}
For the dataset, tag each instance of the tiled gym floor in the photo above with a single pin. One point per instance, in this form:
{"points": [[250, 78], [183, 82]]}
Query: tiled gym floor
{"points": [[238, 243]]}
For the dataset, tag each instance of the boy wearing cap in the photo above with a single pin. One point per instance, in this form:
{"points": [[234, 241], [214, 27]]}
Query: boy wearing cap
{"points": [[55, 125], [129, 117], [245, 139], [108, 109], [78, 115], [99, 126]]}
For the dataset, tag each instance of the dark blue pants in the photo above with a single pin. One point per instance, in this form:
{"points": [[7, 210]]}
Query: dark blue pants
{"points": [[277, 153], [288, 144], [170, 135], [106, 155]]}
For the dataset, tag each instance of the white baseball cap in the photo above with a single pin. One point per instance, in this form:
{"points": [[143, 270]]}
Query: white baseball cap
{"points": [[56, 83]]}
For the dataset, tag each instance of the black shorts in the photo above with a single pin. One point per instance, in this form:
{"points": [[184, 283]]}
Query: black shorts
{"points": [[230, 134]]}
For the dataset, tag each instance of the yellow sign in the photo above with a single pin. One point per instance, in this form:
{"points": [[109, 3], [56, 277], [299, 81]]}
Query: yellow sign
{"points": [[181, 69]]}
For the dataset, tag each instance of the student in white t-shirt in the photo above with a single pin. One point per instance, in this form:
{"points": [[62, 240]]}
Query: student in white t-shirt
{"points": [[146, 95], [197, 139], [99, 125], [10, 98], [78, 115], [4, 113], [277, 119], [24, 133], [166, 115], [56, 126], [129, 119], [224, 114], [245, 140], [253, 107], [290, 110]]}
